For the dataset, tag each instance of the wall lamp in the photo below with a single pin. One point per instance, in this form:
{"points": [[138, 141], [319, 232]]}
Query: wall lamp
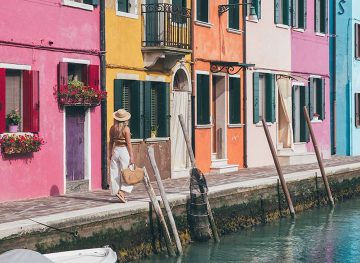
{"points": [[252, 16]]}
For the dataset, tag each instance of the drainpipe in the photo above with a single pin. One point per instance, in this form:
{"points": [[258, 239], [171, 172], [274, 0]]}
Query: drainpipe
{"points": [[192, 27], [245, 86], [334, 79], [104, 181]]}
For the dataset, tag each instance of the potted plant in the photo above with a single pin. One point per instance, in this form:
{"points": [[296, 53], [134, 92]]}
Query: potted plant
{"points": [[18, 144], [154, 130], [315, 117], [13, 119]]}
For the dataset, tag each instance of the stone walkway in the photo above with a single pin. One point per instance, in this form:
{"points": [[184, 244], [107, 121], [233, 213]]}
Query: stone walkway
{"points": [[21, 210]]}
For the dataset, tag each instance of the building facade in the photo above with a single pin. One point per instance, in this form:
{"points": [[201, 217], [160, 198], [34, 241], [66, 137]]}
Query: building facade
{"points": [[148, 73], [289, 47], [37, 53], [219, 86], [346, 84]]}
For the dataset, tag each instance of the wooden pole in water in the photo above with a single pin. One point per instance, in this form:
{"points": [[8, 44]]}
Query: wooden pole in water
{"points": [[278, 168], [164, 198], [159, 214], [193, 164], [319, 159]]}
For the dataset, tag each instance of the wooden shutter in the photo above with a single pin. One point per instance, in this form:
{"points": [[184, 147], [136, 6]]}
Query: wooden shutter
{"points": [[202, 10], [2, 100], [287, 12], [304, 98], [136, 109], [256, 77], [294, 13], [147, 109], [63, 74], [30, 101], [326, 16], [320, 99], [317, 15], [203, 99], [311, 98], [270, 98], [293, 108], [93, 76], [357, 40], [277, 11], [258, 8], [304, 2], [118, 91], [164, 110], [234, 101], [234, 19]]}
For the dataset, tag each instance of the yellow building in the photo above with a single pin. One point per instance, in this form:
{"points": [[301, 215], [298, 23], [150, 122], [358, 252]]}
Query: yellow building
{"points": [[148, 47]]}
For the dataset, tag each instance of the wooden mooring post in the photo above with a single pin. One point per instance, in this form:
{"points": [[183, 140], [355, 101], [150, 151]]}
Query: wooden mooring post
{"points": [[159, 214], [278, 168], [204, 194], [164, 198], [318, 156]]}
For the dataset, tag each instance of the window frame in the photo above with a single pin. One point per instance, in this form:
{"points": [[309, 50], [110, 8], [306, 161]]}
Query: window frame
{"points": [[357, 41], [132, 15], [280, 12], [357, 109], [72, 3], [298, 12], [229, 101], [319, 23], [208, 12], [257, 4], [317, 97], [208, 123], [231, 14]]}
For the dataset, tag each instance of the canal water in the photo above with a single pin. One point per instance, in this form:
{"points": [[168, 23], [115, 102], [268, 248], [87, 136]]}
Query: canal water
{"points": [[319, 235]]}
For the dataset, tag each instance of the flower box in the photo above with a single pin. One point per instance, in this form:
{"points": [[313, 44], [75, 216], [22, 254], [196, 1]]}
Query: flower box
{"points": [[19, 143], [77, 94]]}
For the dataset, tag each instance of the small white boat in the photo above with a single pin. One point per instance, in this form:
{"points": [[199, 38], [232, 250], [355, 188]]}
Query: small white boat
{"points": [[95, 255]]}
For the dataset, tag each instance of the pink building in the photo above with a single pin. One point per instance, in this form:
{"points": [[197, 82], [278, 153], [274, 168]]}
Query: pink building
{"points": [[310, 67], [43, 43]]}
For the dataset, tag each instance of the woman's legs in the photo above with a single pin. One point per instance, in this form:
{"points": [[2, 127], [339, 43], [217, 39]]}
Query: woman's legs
{"points": [[124, 161], [115, 173]]}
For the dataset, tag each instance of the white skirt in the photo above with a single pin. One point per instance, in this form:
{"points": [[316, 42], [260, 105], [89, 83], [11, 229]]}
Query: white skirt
{"points": [[119, 160]]}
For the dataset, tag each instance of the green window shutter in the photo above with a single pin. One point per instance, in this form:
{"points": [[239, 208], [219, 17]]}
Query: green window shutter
{"points": [[234, 20], [203, 99], [147, 109], [164, 110], [311, 98], [277, 11], [294, 13], [136, 109], [307, 137], [286, 12], [270, 98], [118, 91], [258, 8], [234, 101], [305, 13], [317, 15], [256, 77], [326, 16], [304, 98], [293, 108], [202, 10], [123, 5], [320, 99]]}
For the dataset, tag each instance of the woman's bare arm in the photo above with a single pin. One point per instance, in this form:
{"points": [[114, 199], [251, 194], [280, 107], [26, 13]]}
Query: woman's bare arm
{"points": [[127, 136]]}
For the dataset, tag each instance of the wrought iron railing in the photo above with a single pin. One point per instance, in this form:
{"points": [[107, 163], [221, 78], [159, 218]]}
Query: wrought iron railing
{"points": [[166, 25]]}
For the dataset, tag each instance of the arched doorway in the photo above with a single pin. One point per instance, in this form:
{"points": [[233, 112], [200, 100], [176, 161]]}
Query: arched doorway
{"points": [[180, 104]]}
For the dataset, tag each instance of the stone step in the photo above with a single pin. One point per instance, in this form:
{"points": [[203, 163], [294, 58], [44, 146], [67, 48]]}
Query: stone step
{"points": [[218, 162], [228, 168], [293, 158], [300, 147]]}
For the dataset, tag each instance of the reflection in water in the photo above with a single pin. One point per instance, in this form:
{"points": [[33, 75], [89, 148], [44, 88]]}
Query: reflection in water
{"points": [[320, 235]]}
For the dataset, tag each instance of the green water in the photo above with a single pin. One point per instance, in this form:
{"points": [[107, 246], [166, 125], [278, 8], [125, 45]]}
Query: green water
{"points": [[319, 235]]}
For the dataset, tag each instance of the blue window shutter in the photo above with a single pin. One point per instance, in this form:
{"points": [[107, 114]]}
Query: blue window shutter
{"points": [[256, 77], [118, 91], [320, 100], [270, 98], [317, 15], [311, 98], [294, 13], [305, 13], [147, 109], [258, 8], [277, 11], [326, 16], [287, 12]]}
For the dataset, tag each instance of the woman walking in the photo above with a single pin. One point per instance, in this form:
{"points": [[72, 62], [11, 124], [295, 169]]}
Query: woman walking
{"points": [[121, 153]]}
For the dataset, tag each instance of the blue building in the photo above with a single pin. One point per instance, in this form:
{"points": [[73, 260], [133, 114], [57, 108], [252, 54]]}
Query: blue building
{"points": [[345, 75]]}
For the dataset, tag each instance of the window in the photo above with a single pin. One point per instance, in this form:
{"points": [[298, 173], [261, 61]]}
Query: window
{"points": [[317, 98], [234, 101], [357, 41], [202, 10], [357, 110], [19, 91], [264, 97], [77, 72], [82, 4], [202, 99], [282, 12], [126, 6], [148, 103], [178, 13], [321, 16], [257, 5], [234, 15], [299, 13]]}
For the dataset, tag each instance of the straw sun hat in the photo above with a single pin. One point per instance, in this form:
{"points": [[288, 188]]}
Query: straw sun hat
{"points": [[121, 115]]}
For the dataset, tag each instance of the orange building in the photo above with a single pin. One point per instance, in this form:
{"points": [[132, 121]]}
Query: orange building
{"points": [[218, 75]]}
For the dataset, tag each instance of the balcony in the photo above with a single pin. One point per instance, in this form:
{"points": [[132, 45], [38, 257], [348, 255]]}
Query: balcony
{"points": [[166, 36]]}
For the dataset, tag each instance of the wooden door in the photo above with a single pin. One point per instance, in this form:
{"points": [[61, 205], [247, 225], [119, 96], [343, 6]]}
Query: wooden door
{"points": [[213, 114], [75, 161]]}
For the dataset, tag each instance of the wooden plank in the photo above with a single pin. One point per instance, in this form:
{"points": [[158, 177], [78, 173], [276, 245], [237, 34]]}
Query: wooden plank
{"points": [[164, 198]]}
